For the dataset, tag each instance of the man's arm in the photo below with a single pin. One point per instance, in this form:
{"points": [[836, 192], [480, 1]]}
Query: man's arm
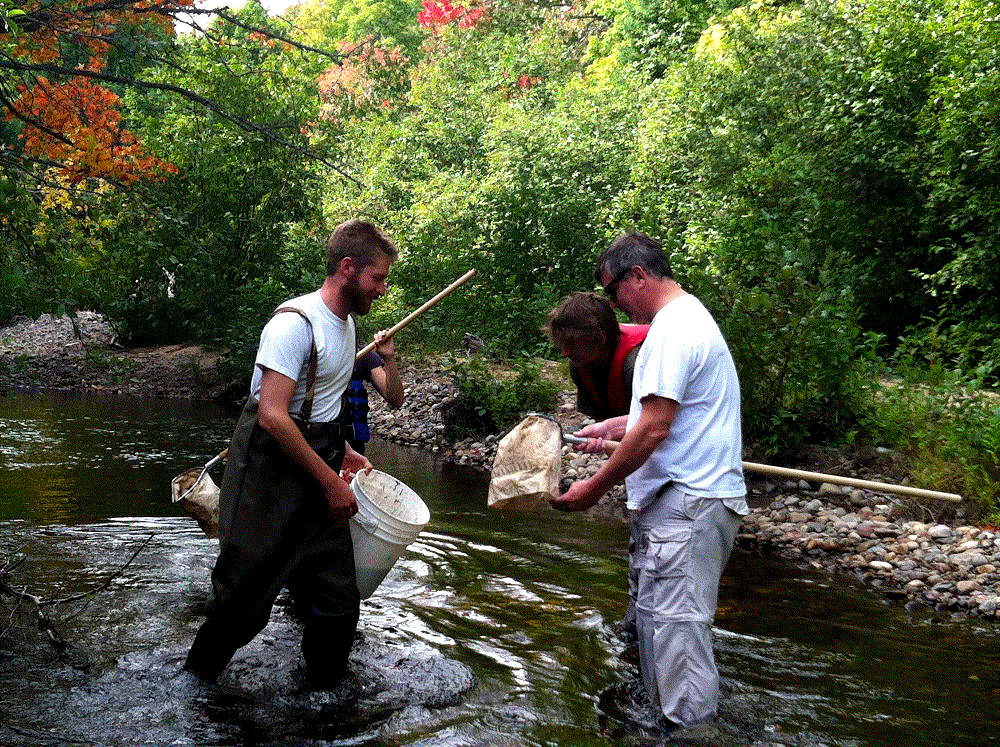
{"points": [[612, 429], [385, 378], [276, 392], [635, 448]]}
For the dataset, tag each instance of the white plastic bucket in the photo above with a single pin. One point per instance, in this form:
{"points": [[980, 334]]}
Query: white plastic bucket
{"points": [[390, 516]]}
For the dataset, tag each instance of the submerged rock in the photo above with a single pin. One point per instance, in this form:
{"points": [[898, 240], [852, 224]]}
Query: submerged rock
{"points": [[146, 698]]}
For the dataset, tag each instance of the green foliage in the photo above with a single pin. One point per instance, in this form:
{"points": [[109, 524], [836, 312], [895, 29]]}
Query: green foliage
{"points": [[14, 294], [967, 345], [487, 168], [251, 306], [323, 23], [222, 228], [649, 35], [802, 359], [948, 429], [113, 364], [491, 400], [778, 129], [47, 236], [843, 129], [957, 127]]}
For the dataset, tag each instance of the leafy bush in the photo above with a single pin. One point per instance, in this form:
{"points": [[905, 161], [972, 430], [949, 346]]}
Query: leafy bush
{"points": [[801, 356], [488, 168], [969, 345], [491, 401], [948, 429]]}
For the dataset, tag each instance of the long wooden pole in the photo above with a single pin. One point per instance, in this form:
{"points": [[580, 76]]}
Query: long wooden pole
{"points": [[880, 487], [420, 311], [767, 469]]}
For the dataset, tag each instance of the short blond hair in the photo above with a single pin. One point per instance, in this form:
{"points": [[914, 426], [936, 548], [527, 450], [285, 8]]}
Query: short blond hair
{"points": [[361, 241]]}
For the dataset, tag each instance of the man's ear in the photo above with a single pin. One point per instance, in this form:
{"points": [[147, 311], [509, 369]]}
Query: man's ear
{"points": [[347, 267]]}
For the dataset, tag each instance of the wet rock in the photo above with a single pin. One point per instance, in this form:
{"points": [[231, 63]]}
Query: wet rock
{"points": [[147, 699]]}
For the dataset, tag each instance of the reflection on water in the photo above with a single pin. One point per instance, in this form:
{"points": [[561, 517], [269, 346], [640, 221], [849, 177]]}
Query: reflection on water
{"points": [[494, 629], [68, 459]]}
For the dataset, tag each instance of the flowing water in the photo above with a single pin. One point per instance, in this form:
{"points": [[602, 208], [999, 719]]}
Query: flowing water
{"points": [[493, 629]]}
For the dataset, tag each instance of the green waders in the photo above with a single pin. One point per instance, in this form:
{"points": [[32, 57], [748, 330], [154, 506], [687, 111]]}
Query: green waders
{"points": [[275, 531]]}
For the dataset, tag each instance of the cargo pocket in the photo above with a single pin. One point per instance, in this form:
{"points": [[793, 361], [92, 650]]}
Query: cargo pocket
{"points": [[664, 570]]}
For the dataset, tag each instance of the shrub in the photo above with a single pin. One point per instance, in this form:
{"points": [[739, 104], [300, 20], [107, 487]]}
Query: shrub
{"points": [[947, 427], [491, 401]]}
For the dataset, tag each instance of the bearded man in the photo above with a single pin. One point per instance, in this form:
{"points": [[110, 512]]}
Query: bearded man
{"points": [[285, 498]]}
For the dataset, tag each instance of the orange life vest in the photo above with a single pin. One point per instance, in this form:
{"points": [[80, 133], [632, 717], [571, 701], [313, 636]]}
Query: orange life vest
{"points": [[618, 399]]}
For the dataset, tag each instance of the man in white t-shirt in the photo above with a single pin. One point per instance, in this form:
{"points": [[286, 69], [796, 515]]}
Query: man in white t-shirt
{"points": [[680, 458], [285, 498]]}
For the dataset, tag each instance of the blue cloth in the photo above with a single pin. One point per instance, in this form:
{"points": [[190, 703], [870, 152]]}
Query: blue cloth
{"points": [[355, 408]]}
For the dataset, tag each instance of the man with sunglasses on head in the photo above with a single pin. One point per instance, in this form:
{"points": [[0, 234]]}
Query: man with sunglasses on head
{"points": [[680, 457], [285, 498]]}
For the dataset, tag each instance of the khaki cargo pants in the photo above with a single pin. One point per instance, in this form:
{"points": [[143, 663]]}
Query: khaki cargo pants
{"points": [[682, 543]]}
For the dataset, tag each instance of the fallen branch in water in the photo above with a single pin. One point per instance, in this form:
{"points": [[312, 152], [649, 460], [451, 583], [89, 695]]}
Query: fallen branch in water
{"points": [[45, 623]]}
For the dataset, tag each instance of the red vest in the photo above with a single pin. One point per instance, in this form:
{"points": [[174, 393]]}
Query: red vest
{"points": [[618, 398]]}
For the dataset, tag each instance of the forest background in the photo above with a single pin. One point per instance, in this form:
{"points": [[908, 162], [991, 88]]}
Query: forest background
{"points": [[824, 175]]}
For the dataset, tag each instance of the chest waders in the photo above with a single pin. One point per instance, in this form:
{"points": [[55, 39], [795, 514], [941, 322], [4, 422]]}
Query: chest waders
{"points": [[275, 531]]}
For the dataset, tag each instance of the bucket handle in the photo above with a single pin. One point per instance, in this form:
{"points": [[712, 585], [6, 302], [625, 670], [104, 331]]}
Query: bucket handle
{"points": [[369, 526]]}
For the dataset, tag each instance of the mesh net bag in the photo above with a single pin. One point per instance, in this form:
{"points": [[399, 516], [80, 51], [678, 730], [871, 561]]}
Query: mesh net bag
{"points": [[527, 466], [201, 502]]}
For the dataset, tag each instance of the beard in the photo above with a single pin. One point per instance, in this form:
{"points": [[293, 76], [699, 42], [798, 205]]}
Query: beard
{"points": [[359, 302]]}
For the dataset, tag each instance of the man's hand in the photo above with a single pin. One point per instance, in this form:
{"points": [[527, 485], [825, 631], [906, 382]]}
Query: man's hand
{"points": [[354, 463], [340, 498], [579, 497], [384, 344]]}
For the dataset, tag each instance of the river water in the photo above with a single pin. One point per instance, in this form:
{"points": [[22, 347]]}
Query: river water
{"points": [[493, 629]]}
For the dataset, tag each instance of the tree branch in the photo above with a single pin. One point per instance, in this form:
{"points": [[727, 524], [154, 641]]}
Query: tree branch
{"points": [[44, 622], [244, 124]]}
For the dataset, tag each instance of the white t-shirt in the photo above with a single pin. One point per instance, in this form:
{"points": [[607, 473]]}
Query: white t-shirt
{"points": [[686, 359], [285, 344]]}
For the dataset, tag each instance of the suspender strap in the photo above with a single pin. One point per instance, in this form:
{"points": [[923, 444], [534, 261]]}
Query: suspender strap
{"points": [[306, 410]]}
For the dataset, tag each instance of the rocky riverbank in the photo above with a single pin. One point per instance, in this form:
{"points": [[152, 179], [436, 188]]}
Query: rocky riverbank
{"points": [[918, 554], [55, 353]]}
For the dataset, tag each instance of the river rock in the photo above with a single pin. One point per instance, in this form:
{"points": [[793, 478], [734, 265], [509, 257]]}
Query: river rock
{"points": [[940, 532]]}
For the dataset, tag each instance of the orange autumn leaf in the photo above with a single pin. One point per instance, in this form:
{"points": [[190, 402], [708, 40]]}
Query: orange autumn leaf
{"points": [[78, 123], [93, 142]]}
